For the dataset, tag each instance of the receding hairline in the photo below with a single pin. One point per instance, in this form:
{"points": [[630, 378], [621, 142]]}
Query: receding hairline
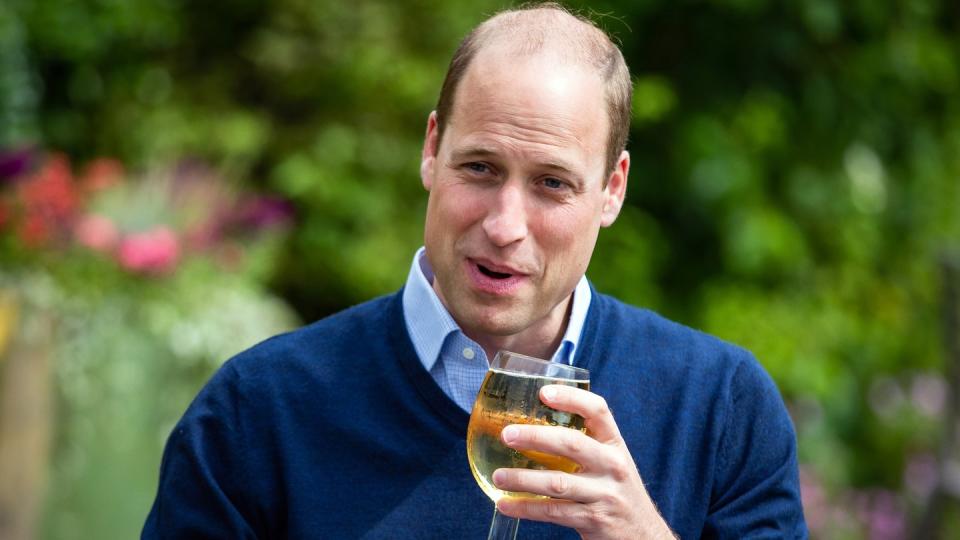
{"points": [[547, 29]]}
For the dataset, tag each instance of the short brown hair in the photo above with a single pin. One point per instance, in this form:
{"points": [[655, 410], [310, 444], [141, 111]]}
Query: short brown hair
{"points": [[590, 44]]}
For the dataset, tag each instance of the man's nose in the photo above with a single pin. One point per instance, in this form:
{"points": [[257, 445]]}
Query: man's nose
{"points": [[506, 221]]}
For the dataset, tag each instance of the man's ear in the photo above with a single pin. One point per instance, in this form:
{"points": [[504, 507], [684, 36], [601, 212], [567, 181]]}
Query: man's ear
{"points": [[616, 190], [429, 155]]}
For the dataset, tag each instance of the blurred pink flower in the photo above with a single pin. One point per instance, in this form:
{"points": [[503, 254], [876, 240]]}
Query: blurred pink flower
{"points": [[97, 233], [35, 231], [102, 173], [264, 212], [155, 251], [929, 394], [921, 474], [882, 513], [815, 506], [48, 201], [46, 207]]}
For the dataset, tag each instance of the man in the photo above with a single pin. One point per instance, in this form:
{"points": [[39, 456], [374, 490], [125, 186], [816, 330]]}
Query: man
{"points": [[355, 425]]}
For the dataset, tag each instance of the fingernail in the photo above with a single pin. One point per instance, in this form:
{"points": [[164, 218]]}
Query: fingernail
{"points": [[549, 393], [509, 434], [499, 476]]}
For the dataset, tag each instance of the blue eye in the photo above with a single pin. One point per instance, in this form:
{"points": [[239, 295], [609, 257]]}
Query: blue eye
{"points": [[553, 183], [478, 167]]}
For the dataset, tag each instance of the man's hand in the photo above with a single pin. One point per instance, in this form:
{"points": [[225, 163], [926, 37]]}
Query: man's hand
{"points": [[605, 498]]}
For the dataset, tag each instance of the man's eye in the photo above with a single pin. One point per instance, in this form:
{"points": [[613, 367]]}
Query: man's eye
{"points": [[478, 167], [553, 183]]}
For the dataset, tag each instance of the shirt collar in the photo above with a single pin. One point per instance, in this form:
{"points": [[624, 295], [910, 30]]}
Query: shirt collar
{"points": [[429, 323], [578, 316]]}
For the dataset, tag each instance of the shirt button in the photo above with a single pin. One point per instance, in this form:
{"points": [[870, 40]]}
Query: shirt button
{"points": [[468, 353]]}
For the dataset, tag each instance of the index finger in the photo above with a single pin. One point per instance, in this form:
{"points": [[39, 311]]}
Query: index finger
{"points": [[592, 407]]}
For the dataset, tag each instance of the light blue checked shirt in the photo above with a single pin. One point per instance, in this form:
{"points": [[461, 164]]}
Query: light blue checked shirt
{"points": [[456, 362]]}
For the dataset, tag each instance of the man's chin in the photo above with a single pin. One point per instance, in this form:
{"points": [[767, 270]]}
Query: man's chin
{"points": [[495, 322]]}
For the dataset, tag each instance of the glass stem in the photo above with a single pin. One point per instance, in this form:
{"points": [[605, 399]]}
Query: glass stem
{"points": [[503, 527]]}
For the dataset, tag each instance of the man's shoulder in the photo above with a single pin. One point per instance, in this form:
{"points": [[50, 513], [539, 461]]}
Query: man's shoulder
{"points": [[637, 325], [315, 364], [353, 331], [639, 340]]}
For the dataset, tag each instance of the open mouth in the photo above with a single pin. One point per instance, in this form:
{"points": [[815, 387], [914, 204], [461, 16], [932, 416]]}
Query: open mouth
{"points": [[490, 273]]}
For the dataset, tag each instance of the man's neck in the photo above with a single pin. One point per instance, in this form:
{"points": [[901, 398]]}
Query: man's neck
{"points": [[540, 340]]}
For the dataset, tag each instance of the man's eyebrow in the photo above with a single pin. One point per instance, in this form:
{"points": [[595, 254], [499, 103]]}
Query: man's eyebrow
{"points": [[472, 152], [558, 166]]}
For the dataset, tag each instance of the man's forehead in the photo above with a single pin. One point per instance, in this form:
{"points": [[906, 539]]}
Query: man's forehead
{"points": [[495, 67], [532, 94]]}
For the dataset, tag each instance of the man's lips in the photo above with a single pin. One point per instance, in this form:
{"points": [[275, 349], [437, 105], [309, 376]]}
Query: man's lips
{"points": [[493, 278], [488, 266], [490, 273], [498, 270]]}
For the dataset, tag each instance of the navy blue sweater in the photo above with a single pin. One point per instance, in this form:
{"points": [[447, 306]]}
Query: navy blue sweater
{"points": [[337, 431]]}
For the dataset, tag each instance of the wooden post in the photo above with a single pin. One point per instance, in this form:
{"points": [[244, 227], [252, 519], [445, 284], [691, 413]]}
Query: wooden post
{"points": [[26, 415]]}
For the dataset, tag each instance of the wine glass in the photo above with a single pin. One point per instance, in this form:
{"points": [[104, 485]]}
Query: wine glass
{"points": [[510, 394]]}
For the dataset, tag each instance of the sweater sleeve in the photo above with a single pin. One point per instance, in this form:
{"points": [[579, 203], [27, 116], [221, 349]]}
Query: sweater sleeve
{"points": [[199, 493], [756, 492]]}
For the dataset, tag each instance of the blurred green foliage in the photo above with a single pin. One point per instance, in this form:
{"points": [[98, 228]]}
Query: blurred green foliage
{"points": [[796, 176], [130, 354]]}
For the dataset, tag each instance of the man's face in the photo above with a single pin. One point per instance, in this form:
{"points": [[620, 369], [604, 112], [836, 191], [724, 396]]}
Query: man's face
{"points": [[517, 192]]}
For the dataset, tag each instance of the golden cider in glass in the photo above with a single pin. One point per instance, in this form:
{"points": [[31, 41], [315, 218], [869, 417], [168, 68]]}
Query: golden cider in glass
{"points": [[514, 398]]}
